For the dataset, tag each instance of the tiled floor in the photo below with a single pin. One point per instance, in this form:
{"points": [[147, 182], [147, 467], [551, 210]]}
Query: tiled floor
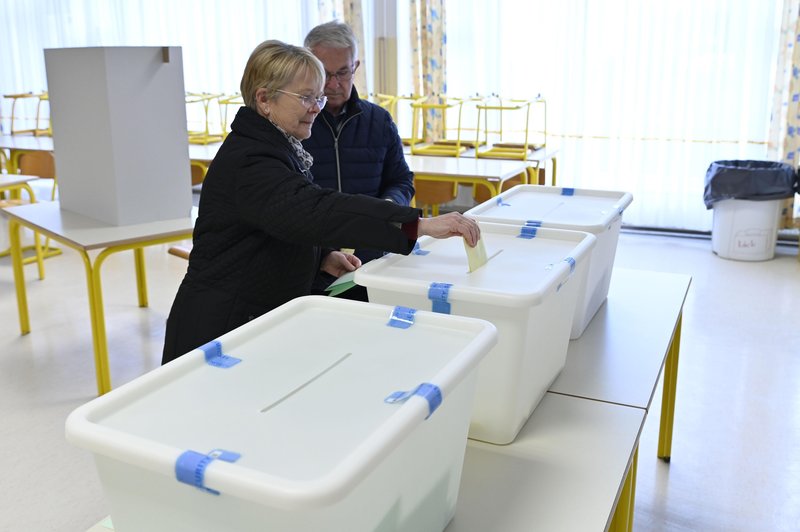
{"points": [[736, 446]]}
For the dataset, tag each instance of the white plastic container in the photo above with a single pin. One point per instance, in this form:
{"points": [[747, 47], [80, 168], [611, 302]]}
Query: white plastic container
{"points": [[598, 212], [305, 408], [528, 289], [745, 229]]}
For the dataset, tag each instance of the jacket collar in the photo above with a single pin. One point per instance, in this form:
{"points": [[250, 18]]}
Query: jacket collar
{"points": [[250, 124]]}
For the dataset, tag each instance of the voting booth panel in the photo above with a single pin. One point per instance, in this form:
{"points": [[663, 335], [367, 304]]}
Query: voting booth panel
{"points": [[119, 132], [528, 288], [597, 212], [323, 414]]}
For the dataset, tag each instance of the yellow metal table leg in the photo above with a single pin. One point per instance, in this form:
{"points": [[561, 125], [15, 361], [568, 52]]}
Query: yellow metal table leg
{"points": [[19, 275], [96, 313], [668, 395], [622, 520], [555, 166], [632, 474], [141, 276]]}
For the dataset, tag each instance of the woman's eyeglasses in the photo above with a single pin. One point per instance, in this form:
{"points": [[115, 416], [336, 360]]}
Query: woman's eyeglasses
{"points": [[306, 100]]}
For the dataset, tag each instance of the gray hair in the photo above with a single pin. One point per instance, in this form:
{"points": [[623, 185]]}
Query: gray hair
{"points": [[273, 65], [333, 34]]}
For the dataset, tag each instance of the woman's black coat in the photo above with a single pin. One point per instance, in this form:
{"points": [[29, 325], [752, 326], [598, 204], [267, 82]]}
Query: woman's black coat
{"points": [[262, 229]]}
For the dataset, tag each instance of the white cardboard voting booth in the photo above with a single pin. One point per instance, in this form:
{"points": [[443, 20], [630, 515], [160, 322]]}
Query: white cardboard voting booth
{"points": [[323, 414], [528, 289], [597, 212], [119, 132]]}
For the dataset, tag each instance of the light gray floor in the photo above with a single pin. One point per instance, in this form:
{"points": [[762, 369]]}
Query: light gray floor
{"points": [[736, 445]]}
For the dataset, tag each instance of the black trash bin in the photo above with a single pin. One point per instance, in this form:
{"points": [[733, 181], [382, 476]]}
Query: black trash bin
{"points": [[746, 198]]}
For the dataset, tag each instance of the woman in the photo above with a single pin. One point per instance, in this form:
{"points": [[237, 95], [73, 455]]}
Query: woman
{"points": [[264, 229]]}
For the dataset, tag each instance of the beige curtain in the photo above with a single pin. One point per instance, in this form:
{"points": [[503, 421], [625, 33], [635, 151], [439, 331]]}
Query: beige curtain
{"points": [[329, 10], [349, 12], [428, 45], [354, 17], [784, 138]]}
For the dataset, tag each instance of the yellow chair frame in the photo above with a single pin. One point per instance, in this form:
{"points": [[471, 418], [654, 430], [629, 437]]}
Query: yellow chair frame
{"points": [[224, 103], [388, 102], [475, 101], [448, 149], [412, 99], [205, 136], [37, 131]]}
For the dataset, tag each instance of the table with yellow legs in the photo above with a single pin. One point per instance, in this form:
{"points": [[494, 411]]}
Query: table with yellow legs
{"points": [[634, 338], [85, 234], [619, 359], [488, 173]]}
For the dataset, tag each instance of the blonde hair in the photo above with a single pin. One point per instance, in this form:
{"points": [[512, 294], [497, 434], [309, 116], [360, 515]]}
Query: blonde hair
{"points": [[273, 65]]}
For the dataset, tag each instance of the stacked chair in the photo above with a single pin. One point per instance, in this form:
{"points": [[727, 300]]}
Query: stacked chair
{"points": [[36, 130], [207, 135], [504, 128]]}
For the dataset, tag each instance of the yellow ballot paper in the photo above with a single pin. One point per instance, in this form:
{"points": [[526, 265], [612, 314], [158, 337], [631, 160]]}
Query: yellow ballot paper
{"points": [[476, 257]]}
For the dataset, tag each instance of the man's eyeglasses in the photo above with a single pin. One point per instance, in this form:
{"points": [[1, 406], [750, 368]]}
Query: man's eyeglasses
{"points": [[308, 101], [345, 74]]}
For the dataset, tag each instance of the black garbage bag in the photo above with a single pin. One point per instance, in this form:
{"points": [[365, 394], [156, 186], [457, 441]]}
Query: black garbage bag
{"points": [[749, 180]]}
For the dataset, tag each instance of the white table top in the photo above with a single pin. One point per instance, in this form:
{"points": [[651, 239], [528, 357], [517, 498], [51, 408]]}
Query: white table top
{"points": [[10, 180], [88, 233], [562, 473], [493, 169], [203, 152], [26, 142], [619, 356], [197, 152]]}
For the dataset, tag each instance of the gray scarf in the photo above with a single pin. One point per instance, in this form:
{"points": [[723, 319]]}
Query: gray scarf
{"points": [[306, 160]]}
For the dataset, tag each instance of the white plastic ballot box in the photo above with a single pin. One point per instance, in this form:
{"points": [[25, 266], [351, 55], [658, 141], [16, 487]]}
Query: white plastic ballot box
{"points": [[528, 288], [323, 414], [598, 212]]}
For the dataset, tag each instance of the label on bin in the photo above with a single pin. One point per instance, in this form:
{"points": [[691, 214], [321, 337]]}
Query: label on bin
{"points": [[190, 467], [402, 317], [429, 392], [215, 357], [438, 294]]}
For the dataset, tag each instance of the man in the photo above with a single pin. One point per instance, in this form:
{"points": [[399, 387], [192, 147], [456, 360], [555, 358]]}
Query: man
{"points": [[355, 143]]}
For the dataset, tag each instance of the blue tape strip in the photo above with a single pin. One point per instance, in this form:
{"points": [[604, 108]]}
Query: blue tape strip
{"points": [[527, 231], [438, 294], [501, 203], [190, 467], [571, 262], [533, 223], [215, 357], [418, 250], [402, 317], [429, 392], [567, 191]]}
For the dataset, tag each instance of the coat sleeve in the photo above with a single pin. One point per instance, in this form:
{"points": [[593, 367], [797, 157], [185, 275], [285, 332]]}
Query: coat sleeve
{"points": [[285, 205]]}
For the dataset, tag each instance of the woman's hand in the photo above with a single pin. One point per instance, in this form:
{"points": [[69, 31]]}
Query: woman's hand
{"points": [[337, 263], [451, 224]]}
